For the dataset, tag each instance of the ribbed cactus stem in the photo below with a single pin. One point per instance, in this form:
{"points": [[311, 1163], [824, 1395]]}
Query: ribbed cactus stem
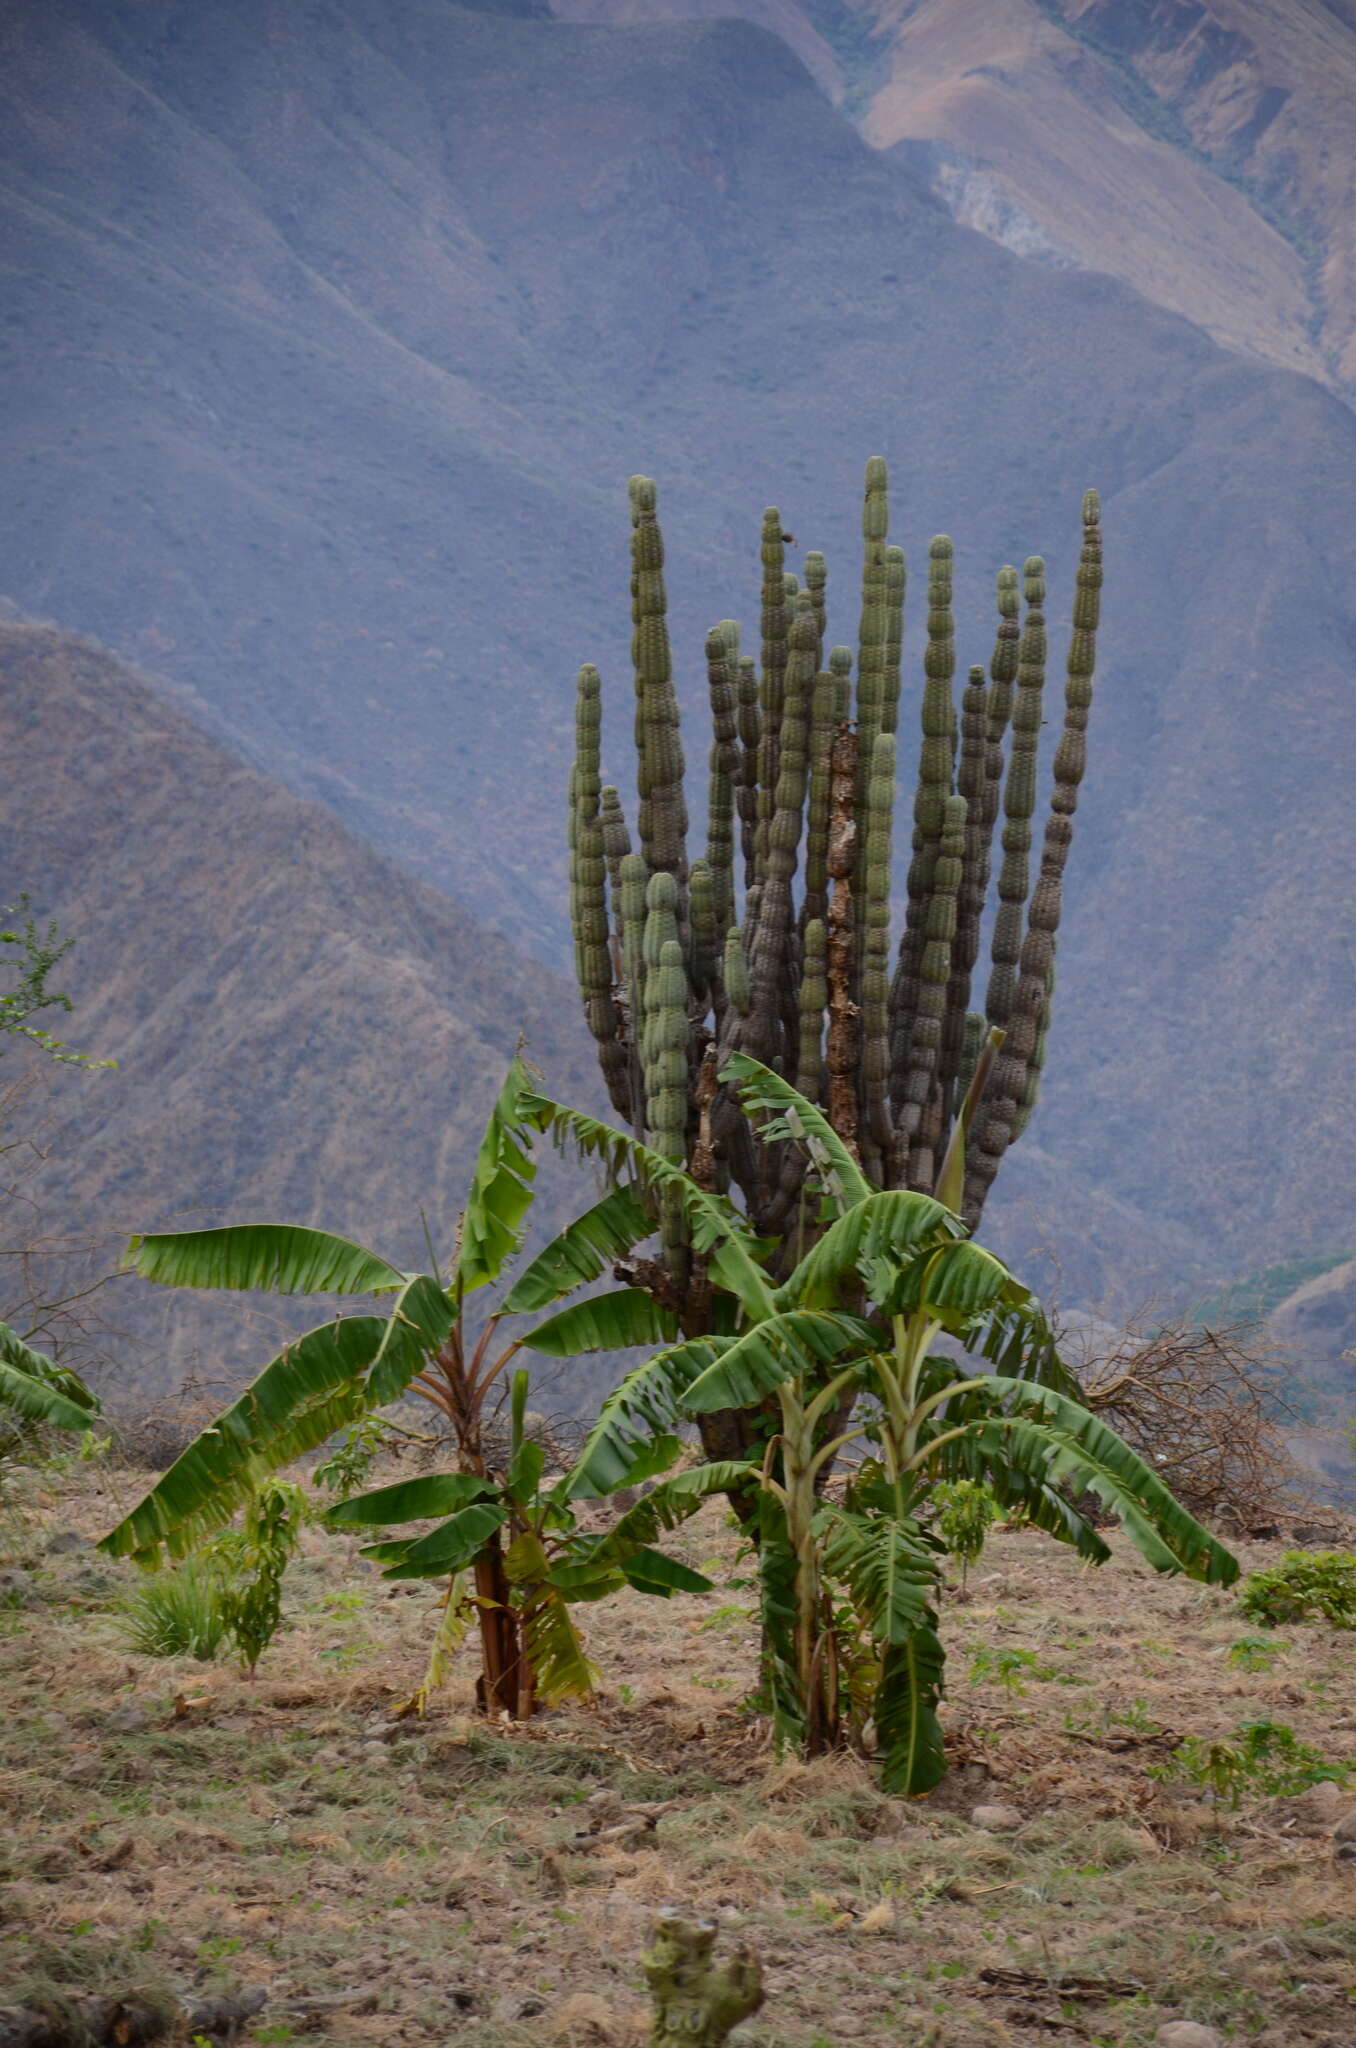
{"points": [[736, 975], [877, 1129], [933, 788], [1019, 800], [895, 582], [816, 579], [825, 718], [921, 1119], [1016, 1073], [667, 1090], [724, 771], [814, 998], [841, 1051], [771, 690], [663, 817], [970, 783], [770, 954], [872, 637], [706, 958], [746, 785], [588, 895]]}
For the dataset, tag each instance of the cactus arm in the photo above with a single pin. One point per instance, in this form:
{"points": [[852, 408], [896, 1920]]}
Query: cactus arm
{"points": [[970, 783], [816, 578], [877, 1127], [872, 635], [919, 1123], [1016, 1074], [588, 895], [663, 819], [895, 584], [841, 1051], [771, 691], [746, 790], [935, 762], [770, 951], [822, 724]]}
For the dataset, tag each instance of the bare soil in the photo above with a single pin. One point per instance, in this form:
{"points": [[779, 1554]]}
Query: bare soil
{"points": [[168, 1824]]}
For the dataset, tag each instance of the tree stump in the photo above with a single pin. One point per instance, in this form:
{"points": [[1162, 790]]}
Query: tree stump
{"points": [[697, 2002]]}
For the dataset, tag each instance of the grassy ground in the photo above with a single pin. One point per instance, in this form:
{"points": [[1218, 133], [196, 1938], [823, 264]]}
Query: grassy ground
{"points": [[446, 1882]]}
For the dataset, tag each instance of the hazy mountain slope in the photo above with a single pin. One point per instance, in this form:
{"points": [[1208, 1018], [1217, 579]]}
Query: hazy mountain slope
{"points": [[1200, 149], [301, 1030], [348, 462]]}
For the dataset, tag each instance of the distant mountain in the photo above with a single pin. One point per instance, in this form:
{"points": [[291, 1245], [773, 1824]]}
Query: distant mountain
{"points": [[302, 1031], [1199, 149], [331, 333]]}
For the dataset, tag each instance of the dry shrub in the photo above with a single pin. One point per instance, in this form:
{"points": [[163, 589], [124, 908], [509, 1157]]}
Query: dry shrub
{"points": [[1201, 1407]]}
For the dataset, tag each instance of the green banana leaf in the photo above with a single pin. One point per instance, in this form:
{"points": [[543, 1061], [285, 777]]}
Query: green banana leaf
{"points": [[34, 1395], [500, 1194], [777, 1575], [777, 1349], [408, 1500], [604, 1322], [908, 1732], [792, 1116], [447, 1548], [650, 1571], [420, 1322], [718, 1231], [276, 1258], [648, 1400], [1044, 1433], [880, 1227], [958, 1283], [583, 1250], [550, 1639], [669, 1504], [312, 1388], [890, 1568]]}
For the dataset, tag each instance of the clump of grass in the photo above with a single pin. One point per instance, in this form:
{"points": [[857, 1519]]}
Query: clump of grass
{"points": [[178, 1613], [1264, 1756]]}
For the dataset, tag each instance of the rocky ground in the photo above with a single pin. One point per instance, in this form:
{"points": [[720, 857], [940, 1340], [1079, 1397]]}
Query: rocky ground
{"points": [[170, 1826]]}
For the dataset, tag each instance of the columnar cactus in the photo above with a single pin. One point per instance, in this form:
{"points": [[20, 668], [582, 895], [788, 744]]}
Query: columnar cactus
{"points": [[698, 961]]}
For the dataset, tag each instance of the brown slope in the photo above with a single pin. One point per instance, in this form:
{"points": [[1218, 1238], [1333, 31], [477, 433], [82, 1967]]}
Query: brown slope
{"points": [[1203, 150], [301, 1030]]}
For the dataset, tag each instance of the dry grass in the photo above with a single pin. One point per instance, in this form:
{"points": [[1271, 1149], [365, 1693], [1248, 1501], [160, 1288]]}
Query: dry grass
{"points": [[439, 1883]]}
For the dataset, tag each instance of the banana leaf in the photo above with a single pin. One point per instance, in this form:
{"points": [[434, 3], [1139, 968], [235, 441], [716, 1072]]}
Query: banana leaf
{"points": [[275, 1258], [908, 1732], [551, 1642], [500, 1194], [774, 1350], [36, 1399], [420, 1322], [880, 1227], [313, 1387], [650, 1571], [1044, 1433], [791, 1115], [669, 1504], [648, 1400], [583, 1250], [408, 1500], [604, 1322], [717, 1230], [445, 1549]]}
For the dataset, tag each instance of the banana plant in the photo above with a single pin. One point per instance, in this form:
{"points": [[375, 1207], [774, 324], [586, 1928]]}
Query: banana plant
{"points": [[1010, 1416], [499, 1528], [35, 1389]]}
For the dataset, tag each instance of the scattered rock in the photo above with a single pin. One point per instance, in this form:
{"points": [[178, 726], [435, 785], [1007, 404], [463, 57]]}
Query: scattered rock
{"points": [[1345, 1831], [128, 1719], [1187, 2034], [67, 1539], [1273, 1947], [1001, 1820], [513, 2006], [1320, 1801], [1345, 1854]]}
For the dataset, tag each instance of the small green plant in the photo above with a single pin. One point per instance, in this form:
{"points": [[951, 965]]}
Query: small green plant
{"points": [[966, 1511], [1265, 1757], [1008, 1668], [349, 1465], [176, 1613], [256, 1557], [1256, 1653], [1306, 1585]]}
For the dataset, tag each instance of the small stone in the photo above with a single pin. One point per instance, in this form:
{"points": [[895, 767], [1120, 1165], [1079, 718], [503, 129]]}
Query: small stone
{"points": [[1345, 1831], [1000, 1820], [67, 1539], [1273, 1947], [129, 1719], [1187, 2034], [1345, 1854]]}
